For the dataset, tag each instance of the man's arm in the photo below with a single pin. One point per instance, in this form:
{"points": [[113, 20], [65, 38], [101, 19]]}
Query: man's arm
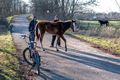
{"points": [[30, 26]]}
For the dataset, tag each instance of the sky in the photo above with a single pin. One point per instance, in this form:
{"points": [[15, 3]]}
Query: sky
{"points": [[105, 6], [26, 1]]}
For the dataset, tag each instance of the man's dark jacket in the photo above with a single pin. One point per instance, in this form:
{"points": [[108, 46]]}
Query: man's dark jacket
{"points": [[32, 25]]}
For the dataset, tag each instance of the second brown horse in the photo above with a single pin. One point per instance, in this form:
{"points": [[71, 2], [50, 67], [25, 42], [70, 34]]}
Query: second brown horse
{"points": [[55, 28]]}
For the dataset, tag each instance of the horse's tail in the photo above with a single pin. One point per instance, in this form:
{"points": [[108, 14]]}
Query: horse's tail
{"points": [[37, 32]]}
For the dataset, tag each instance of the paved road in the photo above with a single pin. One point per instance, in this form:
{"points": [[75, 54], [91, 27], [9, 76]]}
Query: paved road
{"points": [[81, 62]]}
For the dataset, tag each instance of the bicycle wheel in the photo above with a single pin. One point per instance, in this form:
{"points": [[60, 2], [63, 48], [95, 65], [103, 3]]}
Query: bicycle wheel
{"points": [[27, 56]]}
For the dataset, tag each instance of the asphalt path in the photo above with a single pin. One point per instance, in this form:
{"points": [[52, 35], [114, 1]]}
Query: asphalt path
{"points": [[80, 62]]}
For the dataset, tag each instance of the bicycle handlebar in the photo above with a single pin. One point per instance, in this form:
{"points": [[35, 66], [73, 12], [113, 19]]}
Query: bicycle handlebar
{"points": [[25, 36]]}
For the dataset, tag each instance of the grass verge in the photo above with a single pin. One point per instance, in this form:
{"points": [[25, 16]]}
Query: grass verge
{"points": [[102, 43], [9, 64]]}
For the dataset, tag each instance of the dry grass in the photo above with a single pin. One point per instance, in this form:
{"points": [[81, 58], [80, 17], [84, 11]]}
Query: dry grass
{"points": [[9, 64], [108, 44]]}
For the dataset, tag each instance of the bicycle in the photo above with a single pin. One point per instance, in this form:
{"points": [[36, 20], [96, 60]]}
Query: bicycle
{"points": [[31, 55]]}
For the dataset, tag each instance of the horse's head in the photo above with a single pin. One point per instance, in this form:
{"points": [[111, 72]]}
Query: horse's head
{"points": [[73, 25]]}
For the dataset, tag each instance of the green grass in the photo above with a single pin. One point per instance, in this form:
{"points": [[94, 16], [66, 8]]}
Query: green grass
{"points": [[85, 21], [9, 67], [107, 44], [91, 24], [96, 22]]}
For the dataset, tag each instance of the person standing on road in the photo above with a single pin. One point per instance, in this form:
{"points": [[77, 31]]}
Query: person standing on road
{"points": [[11, 28], [54, 36], [32, 24]]}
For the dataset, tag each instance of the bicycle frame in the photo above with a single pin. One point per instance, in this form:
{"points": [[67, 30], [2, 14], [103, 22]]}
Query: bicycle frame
{"points": [[34, 55], [31, 44]]}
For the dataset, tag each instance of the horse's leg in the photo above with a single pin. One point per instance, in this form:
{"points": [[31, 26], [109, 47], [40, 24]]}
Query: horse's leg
{"points": [[57, 43], [65, 42], [41, 38]]}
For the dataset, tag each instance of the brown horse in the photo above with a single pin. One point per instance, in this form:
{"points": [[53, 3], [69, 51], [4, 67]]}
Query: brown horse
{"points": [[55, 28]]}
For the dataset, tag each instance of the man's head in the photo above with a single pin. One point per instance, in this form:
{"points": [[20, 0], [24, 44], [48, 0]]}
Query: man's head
{"points": [[34, 18]]}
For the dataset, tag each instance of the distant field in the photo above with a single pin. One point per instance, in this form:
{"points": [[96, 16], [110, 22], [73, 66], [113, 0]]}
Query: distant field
{"points": [[112, 23], [88, 25], [104, 37]]}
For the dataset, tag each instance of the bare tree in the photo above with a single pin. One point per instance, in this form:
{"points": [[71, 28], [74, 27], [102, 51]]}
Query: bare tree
{"points": [[64, 8], [11, 7]]}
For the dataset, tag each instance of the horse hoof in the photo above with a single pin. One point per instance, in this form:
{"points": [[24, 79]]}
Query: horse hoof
{"points": [[57, 50], [65, 50]]}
